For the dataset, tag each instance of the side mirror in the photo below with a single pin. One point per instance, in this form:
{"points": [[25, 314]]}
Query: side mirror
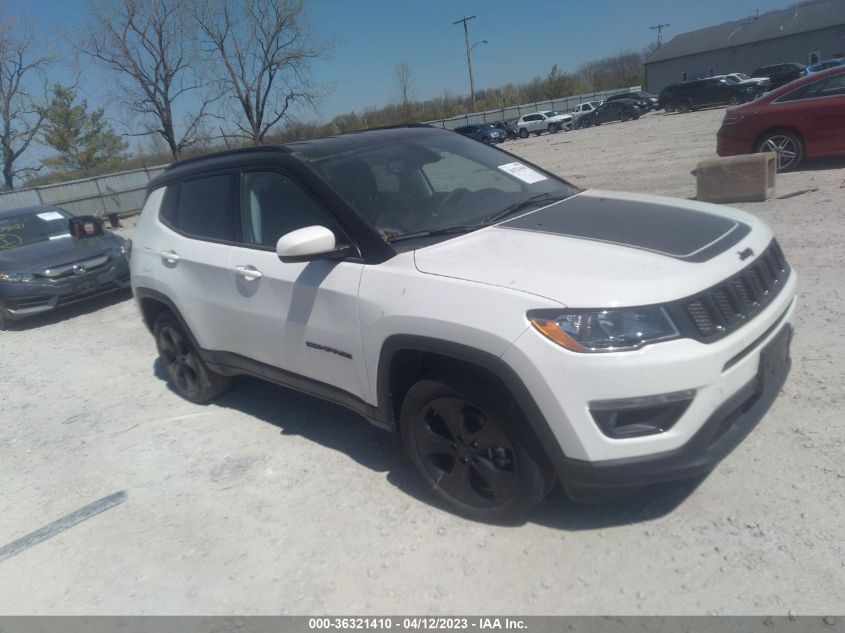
{"points": [[83, 226], [308, 244]]}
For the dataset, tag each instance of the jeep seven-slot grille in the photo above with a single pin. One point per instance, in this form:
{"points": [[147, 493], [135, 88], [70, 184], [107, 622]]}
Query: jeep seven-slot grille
{"points": [[724, 307]]}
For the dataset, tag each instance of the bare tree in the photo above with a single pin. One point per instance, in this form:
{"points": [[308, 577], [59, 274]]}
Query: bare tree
{"points": [[263, 49], [404, 90], [149, 45], [21, 115]]}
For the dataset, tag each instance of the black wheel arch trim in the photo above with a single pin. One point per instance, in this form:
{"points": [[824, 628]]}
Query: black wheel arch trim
{"points": [[142, 294], [397, 343]]}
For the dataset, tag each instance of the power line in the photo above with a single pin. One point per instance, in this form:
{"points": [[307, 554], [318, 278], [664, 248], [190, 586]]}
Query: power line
{"points": [[659, 28]]}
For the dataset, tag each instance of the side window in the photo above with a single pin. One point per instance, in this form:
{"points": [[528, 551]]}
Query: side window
{"points": [[830, 87], [684, 76], [274, 205], [208, 208], [169, 211], [814, 57]]}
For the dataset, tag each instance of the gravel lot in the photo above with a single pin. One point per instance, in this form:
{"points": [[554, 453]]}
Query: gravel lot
{"points": [[271, 502]]}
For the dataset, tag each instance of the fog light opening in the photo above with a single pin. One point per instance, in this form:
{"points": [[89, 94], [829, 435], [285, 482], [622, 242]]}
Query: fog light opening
{"points": [[635, 417]]}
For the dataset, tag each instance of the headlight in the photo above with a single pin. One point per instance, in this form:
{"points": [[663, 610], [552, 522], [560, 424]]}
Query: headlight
{"points": [[17, 277], [611, 330]]}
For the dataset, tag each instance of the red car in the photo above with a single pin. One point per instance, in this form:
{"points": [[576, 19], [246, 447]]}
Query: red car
{"points": [[803, 119]]}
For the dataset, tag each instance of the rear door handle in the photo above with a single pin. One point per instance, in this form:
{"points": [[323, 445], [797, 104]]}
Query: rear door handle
{"points": [[170, 256], [250, 273]]}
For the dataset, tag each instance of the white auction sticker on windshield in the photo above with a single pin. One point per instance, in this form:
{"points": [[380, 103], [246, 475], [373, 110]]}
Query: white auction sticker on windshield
{"points": [[523, 172], [50, 215]]}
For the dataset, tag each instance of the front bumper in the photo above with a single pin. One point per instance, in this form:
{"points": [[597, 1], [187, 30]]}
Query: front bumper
{"points": [[20, 300], [723, 374], [729, 424]]}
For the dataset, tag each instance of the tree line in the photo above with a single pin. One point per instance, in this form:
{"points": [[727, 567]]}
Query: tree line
{"points": [[199, 75]]}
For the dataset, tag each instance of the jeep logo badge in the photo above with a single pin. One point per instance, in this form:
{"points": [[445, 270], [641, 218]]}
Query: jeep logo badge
{"points": [[743, 255], [79, 269]]}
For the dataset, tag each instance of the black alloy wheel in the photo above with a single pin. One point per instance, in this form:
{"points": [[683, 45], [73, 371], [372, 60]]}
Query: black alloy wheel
{"points": [[457, 436], [188, 375]]}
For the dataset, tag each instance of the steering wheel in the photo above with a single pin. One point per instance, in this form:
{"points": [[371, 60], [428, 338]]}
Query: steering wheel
{"points": [[452, 197]]}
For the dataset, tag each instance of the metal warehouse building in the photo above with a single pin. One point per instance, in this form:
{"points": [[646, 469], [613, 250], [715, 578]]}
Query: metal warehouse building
{"points": [[804, 33]]}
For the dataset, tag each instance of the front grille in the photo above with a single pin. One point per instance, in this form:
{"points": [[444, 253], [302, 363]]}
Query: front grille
{"points": [[726, 306], [75, 268]]}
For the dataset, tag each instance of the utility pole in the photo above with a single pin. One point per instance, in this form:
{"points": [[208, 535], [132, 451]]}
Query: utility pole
{"points": [[466, 19], [659, 28]]}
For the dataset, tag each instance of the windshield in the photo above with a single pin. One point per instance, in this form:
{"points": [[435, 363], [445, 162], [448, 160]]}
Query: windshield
{"points": [[32, 227], [550, 113], [435, 182]]}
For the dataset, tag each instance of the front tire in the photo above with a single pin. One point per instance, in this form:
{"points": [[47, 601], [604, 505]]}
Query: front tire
{"points": [[735, 100], [188, 375], [786, 144], [465, 442], [553, 129], [682, 107]]}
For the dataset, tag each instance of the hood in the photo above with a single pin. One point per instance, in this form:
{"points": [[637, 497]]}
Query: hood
{"points": [[55, 252], [604, 249], [560, 117]]}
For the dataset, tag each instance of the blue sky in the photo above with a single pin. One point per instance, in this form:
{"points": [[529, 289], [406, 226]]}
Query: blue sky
{"points": [[370, 37]]}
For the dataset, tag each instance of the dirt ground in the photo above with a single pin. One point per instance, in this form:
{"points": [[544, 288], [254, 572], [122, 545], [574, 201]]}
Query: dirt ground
{"points": [[271, 502]]}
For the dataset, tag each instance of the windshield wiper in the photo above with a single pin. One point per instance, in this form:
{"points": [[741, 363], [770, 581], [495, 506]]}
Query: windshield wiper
{"points": [[519, 206], [461, 228]]}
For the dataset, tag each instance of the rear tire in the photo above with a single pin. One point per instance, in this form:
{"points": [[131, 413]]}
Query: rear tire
{"points": [[786, 144], [467, 442], [187, 373], [523, 133]]}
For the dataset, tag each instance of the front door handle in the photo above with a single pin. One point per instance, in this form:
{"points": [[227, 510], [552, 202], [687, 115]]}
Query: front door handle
{"points": [[170, 256], [250, 273]]}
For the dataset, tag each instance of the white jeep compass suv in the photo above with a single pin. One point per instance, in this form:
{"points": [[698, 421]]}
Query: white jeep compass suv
{"points": [[515, 330], [539, 122]]}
